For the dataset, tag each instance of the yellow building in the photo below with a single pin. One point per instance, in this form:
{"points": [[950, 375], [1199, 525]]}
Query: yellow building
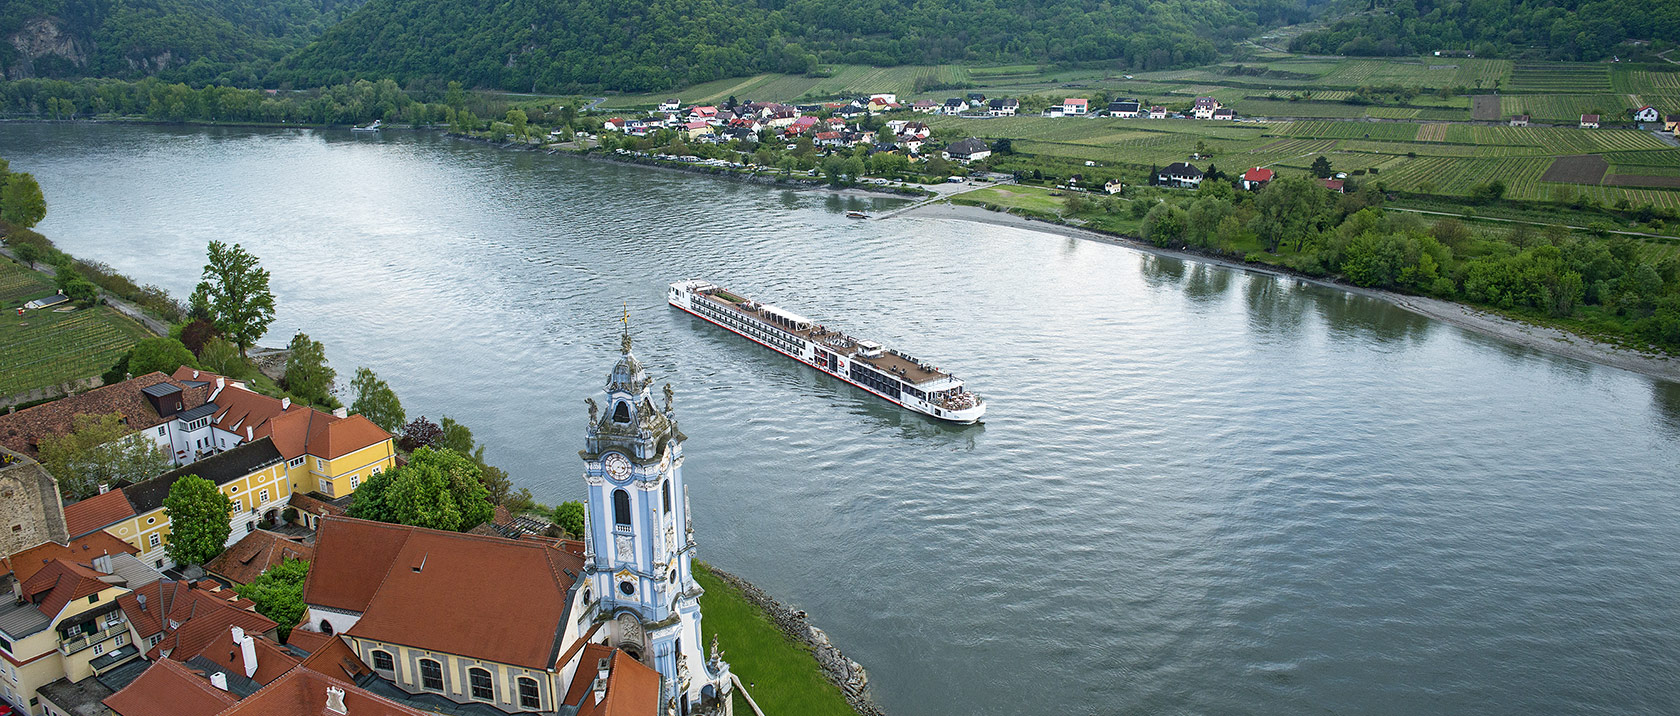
{"points": [[67, 624]]}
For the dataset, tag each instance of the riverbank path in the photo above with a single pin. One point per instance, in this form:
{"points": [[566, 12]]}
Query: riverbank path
{"points": [[945, 191], [124, 307], [1530, 223]]}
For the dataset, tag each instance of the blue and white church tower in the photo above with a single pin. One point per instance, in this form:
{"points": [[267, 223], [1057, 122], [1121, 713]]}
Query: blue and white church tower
{"points": [[639, 541]]}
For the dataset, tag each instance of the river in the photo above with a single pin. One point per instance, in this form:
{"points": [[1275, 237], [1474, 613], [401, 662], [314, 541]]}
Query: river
{"points": [[1197, 490]]}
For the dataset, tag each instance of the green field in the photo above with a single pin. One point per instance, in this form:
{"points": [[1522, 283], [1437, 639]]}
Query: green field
{"points": [[43, 347], [1030, 198], [785, 678]]}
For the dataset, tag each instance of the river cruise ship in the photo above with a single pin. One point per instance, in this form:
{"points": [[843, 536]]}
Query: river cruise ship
{"points": [[895, 376]]}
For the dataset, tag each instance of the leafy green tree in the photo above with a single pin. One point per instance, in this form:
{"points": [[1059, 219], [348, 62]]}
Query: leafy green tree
{"points": [[221, 357], [517, 119], [21, 202], [100, 450], [1296, 207], [159, 354], [438, 489], [198, 520], [1321, 167], [457, 437], [1164, 225], [278, 593], [938, 167], [308, 377], [1487, 192], [75, 286], [235, 287], [376, 401], [569, 515]]}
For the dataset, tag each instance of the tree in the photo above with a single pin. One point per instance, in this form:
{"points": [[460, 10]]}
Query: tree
{"points": [[938, 167], [1290, 207], [1164, 225], [570, 517], [1487, 192], [159, 354], [308, 377], [197, 332], [518, 119], [418, 434], [221, 357], [235, 288], [198, 520], [1321, 167], [21, 202], [100, 450], [75, 286], [457, 437], [375, 400], [438, 489], [278, 593]]}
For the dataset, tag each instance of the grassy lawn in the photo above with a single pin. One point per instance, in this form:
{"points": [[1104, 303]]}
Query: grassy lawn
{"points": [[783, 677], [1030, 198], [43, 347]]}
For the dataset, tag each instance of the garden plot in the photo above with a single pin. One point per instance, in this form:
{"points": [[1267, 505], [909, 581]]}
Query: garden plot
{"points": [[1577, 169]]}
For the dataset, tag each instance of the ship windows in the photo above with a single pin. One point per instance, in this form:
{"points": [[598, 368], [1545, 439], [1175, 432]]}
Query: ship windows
{"points": [[621, 507], [621, 414]]}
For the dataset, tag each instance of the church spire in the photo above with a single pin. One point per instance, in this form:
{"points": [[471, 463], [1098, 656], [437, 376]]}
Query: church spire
{"points": [[625, 341]]}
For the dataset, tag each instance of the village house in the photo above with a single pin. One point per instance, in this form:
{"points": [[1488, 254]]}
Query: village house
{"points": [[1225, 114], [924, 106], [1179, 175], [911, 143], [1335, 185], [1126, 109], [976, 99], [1114, 186], [703, 113], [1205, 107], [1157, 112], [1519, 120], [1075, 106], [1054, 110], [968, 150], [254, 554], [1256, 178], [1646, 114], [616, 124], [1004, 107], [696, 129], [1589, 121], [953, 106], [829, 139], [919, 130], [1671, 124], [670, 105]]}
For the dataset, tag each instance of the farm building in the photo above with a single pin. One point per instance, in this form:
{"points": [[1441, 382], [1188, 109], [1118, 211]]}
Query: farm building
{"points": [[1225, 114], [1257, 177], [1124, 110], [47, 302], [1157, 112], [968, 150], [1003, 107], [1519, 120], [1114, 186], [1646, 114], [1181, 175], [1335, 185], [1589, 121]]}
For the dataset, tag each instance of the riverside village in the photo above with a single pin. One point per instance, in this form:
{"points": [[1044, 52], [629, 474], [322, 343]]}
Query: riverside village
{"points": [[509, 615]]}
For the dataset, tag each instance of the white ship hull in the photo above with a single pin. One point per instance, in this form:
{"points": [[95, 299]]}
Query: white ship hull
{"points": [[891, 376]]}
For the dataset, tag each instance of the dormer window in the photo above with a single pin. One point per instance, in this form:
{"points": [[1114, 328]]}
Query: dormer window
{"points": [[621, 414]]}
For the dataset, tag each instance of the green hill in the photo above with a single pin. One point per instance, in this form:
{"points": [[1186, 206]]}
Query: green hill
{"points": [[189, 40], [1542, 29], [641, 45]]}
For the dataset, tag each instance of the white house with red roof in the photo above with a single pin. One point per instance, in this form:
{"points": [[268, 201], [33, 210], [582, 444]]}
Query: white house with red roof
{"points": [[1205, 107], [1075, 106], [1646, 114], [1257, 177], [1589, 121], [616, 124]]}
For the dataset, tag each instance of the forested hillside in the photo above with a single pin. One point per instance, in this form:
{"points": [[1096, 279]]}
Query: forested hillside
{"points": [[659, 44], [189, 40], [1541, 29]]}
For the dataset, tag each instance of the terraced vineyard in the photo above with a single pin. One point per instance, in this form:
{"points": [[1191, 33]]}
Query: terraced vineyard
{"points": [[43, 348], [1566, 108], [1560, 77]]}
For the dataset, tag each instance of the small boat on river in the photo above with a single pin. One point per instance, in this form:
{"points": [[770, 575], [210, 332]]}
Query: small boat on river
{"points": [[374, 127], [856, 215]]}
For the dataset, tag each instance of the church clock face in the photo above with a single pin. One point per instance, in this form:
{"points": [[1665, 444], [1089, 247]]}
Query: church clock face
{"points": [[617, 466]]}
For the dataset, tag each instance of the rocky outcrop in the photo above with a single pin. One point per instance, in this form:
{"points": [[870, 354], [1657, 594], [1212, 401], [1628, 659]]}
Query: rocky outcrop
{"points": [[844, 673], [45, 37]]}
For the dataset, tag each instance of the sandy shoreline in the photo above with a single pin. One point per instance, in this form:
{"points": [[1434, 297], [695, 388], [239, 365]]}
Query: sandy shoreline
{"points": [[1540, 338]]}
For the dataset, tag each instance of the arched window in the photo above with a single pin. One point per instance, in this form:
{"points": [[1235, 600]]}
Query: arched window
{"points": [[483, 688], [529, 697], [621, 507], [431, 675], [621, 414], [326, 627], [667, 489], [382, 661]]}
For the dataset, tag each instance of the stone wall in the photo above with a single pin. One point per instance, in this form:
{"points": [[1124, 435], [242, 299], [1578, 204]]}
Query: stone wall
{"points": [[844, 673], [31, 511]]}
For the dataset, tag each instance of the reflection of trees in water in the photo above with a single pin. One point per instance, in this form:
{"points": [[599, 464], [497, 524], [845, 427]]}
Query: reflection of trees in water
{"points": [[1665, 395], [1204, 283], [1275, 304], [1159, 271], [1350, 315]]}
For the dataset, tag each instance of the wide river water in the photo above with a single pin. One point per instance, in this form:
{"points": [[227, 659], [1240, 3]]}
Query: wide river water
{"points": [[1197, 490]]}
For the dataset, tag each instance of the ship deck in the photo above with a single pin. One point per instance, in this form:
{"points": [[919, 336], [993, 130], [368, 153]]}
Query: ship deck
{"points": [[910, 371]]}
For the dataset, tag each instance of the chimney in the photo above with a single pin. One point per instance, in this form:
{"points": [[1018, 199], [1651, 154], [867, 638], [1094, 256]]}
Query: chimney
{"points": [[335, 700], [219, 680], [104, 488], [341, 412], [142, 599], [248, 649], [285, 404], [602, 669], [195, 375]]}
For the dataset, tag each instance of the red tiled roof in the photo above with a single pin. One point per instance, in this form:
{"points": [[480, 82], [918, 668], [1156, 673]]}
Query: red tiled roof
{"points": [[272, 661], [632, 689], [586, 672], [255, 553], [400, 578], [303, 692], [311, 505], [25, 564], [296, 429], [309, 641], [25, 429], [1259, 174], [334, 658], [198, 615], [169, 689], [60, 582], [96, 513]]}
